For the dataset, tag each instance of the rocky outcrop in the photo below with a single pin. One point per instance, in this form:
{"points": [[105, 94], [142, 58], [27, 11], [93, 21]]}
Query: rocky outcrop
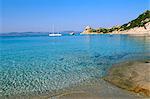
{"points": [[137, 30], [88, 30], [132, 76]]}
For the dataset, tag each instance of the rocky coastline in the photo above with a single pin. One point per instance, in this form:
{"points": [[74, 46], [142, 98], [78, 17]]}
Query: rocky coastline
{"points": [[138, 26]]}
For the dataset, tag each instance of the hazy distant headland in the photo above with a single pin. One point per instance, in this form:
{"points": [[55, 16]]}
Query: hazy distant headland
{"points": [[24, 34], [34, 33], [140, 25]]}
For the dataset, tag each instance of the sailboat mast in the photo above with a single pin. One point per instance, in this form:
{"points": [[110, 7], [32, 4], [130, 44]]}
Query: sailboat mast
{"points": [[53, 29], [54, 34]]}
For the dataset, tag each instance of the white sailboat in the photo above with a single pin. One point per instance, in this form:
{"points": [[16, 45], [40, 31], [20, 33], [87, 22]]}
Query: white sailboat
{"points": [[54, 34], [72, 33]]}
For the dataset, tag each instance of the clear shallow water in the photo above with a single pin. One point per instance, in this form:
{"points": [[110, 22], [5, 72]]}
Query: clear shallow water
{"points": [[34, 65]]}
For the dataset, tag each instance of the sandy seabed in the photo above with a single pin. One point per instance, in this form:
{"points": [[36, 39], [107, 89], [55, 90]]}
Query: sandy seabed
{"points": [[103, 88]]}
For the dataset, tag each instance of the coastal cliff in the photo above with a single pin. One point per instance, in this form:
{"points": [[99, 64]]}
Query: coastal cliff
{"points": [[140, 25]]}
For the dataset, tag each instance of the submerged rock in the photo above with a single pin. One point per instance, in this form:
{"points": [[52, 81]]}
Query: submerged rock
{"points": [[132, 76]]}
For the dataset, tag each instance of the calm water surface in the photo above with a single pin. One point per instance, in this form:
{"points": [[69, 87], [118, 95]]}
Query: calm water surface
{"points": [[46, 64]]}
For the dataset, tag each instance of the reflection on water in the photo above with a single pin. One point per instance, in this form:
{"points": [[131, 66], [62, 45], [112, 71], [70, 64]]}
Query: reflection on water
{"points": [[34, 65]]}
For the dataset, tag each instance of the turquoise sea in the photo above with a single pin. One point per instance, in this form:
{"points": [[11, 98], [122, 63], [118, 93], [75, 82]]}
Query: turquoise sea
{"points": [[39, 64]]}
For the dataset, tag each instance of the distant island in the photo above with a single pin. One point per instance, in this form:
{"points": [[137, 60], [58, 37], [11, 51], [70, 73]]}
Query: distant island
{"points": [[35, 33], [140, 25]]}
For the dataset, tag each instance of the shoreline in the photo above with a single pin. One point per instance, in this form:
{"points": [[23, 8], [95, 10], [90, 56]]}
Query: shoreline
{"points": [[99, 88], [145, 30], [105, 89], [122, 33], [132, 76]]}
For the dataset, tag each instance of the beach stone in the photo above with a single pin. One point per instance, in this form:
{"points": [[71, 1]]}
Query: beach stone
{"points": [[132, 76]]}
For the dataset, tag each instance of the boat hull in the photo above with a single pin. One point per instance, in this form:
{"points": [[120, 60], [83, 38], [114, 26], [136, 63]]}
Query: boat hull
{"points": [[55, 34]]}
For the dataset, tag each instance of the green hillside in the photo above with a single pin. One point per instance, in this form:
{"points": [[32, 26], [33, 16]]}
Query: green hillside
{"points": [[140, 21]]}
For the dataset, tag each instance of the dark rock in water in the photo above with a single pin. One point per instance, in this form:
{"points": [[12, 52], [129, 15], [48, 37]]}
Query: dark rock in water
{"points": [[61, 59], [147, 61], [99, 63], [104, 69], [96, 56], [116, 57]]}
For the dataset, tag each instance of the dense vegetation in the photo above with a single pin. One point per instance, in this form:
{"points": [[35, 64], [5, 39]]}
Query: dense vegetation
{"points": [[138, 22]]}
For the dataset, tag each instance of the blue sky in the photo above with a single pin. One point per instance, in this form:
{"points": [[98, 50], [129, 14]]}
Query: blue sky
{"points": [[40, 15]]}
